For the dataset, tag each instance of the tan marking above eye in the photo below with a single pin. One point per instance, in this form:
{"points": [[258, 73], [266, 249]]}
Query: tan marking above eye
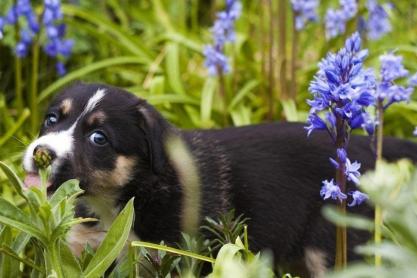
{"points": [[66, 106], [121, 174], [96, 117]]}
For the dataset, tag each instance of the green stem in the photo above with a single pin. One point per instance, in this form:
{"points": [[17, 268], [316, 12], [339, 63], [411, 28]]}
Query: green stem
{"points": [[25, 261], [223, 95], [34, 119], [378, 209], [53, 263], [294, 50], [271, 72], [18, 84], [341, 233], [282, 43]]}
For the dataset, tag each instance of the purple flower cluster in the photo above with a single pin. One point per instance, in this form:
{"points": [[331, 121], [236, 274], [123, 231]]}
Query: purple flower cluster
{"points": [[305, 11], [387, 90], [341, 89], [55, 46], [223, 31], [378, 23], [335, 19], [22, 9]]}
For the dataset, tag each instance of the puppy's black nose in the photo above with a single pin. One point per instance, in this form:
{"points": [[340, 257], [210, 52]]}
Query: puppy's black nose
{"points": [[43, 156]]}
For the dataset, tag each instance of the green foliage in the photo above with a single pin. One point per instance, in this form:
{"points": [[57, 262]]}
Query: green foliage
{"points": [[41, 224], [153, 48], [393, 187]]}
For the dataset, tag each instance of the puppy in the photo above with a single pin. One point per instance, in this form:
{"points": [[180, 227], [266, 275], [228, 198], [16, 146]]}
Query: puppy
{"points": [[113, 143]]}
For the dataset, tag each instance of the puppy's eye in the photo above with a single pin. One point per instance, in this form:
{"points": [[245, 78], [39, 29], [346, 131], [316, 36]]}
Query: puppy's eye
{"points": [[98, 138], [50, 120]]}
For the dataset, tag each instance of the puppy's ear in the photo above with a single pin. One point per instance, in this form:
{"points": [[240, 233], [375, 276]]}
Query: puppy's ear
{"points": [[156, 130]]}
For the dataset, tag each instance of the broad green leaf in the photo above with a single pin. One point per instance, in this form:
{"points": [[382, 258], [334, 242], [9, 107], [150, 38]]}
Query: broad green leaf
{"points": [[14, 217], [355, 221], [227, 253], [14, 179], [112, 244], [207, 94], [64, 191], [290, 110], [70, 264], [173, 70]]}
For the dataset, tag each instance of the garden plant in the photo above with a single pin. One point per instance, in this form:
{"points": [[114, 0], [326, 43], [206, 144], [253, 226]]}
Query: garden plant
{"points": [[345, 67]]}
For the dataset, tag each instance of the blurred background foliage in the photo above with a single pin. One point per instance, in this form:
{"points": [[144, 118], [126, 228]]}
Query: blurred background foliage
{"points": [[154, 49]]}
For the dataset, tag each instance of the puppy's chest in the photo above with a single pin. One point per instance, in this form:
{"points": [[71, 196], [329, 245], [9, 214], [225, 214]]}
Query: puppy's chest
{"points": [[106, 211]]}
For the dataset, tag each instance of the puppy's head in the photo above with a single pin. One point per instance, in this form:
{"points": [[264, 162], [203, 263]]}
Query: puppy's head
{"points": [[102, 136]]}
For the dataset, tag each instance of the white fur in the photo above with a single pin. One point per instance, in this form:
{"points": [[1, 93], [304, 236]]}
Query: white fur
{"points": [[61, 142]]}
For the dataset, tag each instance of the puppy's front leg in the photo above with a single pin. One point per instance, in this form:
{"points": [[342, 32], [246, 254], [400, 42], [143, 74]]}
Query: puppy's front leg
{"points": [[81, 234]]}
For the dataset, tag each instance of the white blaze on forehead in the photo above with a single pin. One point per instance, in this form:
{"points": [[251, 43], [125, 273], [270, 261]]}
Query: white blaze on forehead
{"points": [[61, 142], [93, 101]]}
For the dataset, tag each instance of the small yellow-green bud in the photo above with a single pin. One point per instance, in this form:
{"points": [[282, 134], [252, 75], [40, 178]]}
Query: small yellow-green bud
{"points": [[42, 158]]}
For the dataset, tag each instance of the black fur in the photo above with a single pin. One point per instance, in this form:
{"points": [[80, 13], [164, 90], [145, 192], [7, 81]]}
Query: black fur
{"points": [[271, 173]]}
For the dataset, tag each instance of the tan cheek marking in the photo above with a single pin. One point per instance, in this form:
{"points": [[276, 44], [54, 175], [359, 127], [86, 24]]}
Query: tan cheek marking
{"points": [[66, 106], [80, 235], [119, 176], [97, 117]]}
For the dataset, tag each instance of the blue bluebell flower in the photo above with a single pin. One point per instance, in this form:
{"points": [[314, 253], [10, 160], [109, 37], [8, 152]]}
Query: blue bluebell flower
{"points": [[357, 198], [378, 23], [387, 92], [352, 171], [215, 60], [369, 124], [342, 86], [412, 81], [56, 44], [392, 67], [335, 23], [336, 19], [2, 23], [349, 8], [305, 11], [331, 190], [223, 31], [415, 131], [342, 89]]}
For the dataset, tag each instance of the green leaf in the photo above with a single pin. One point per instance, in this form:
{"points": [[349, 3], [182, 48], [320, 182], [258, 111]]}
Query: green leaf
{"points": [[14, 217], [207, 94], [14, 179], [70, 264], [173, 70], [244, 92], [64, 191], [113, 243], [79, 73], [172, 250], [227, 253], [290, 110], [106, 25], [11, 131], [351, 220]]}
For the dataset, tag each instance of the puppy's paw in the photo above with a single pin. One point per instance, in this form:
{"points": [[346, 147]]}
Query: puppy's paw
{"points": [[81, 234]]}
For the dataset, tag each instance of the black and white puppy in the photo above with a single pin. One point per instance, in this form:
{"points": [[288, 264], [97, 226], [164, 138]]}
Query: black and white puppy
{"points": [[113, 143]]}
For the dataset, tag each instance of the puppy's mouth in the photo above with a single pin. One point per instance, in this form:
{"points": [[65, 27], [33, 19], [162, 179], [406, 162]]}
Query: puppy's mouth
{"points": [[34, 180]]}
